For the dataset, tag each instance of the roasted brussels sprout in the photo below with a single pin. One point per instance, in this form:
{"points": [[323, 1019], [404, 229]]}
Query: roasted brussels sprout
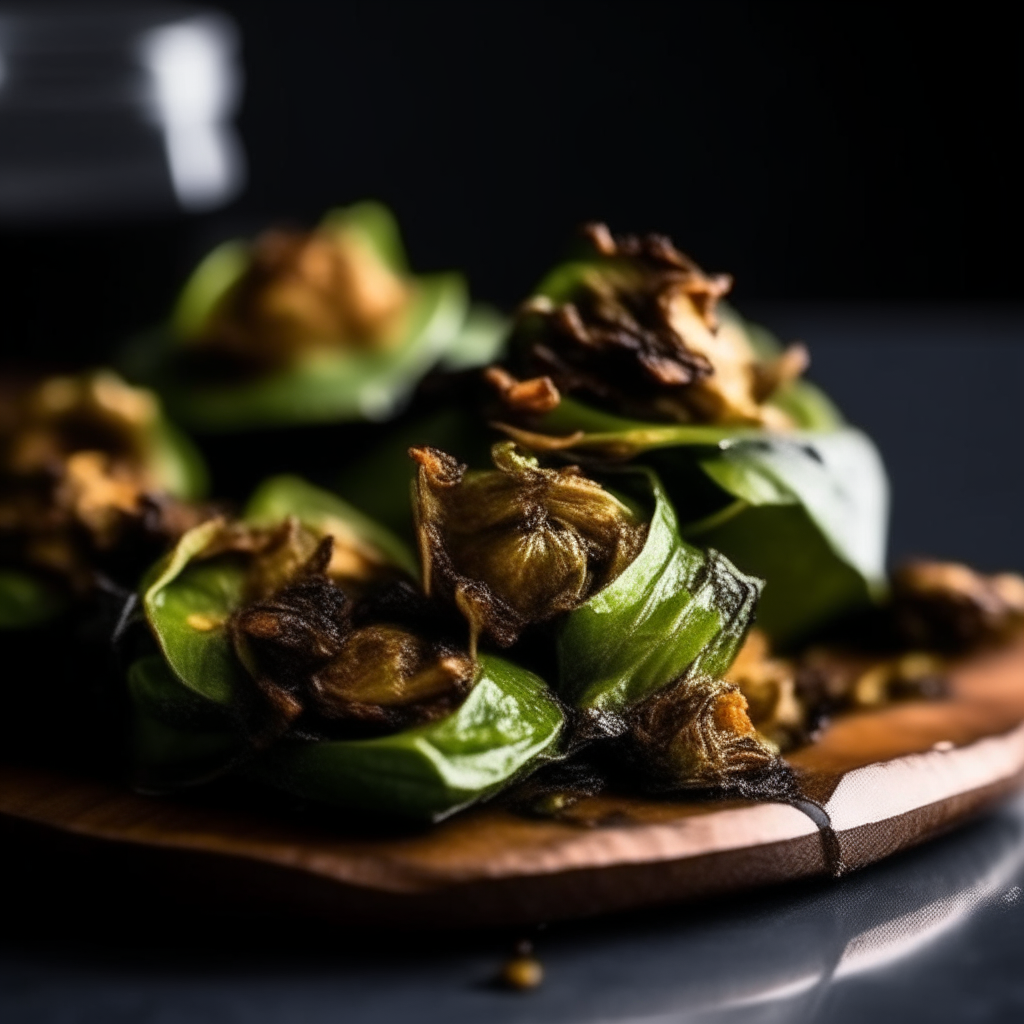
{"points": [[697, 734], [635, 329], [300, 292], [310, 327], [518, 544], [644, 624], [93, 480], [315, 663], [300, 651], [633, 357]]}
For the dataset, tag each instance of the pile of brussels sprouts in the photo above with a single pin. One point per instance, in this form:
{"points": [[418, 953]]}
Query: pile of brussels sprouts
{"points": [[530, 544]]}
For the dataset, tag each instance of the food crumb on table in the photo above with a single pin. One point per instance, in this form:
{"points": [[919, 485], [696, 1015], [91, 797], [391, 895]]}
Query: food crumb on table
{"points": [[522, 970]]}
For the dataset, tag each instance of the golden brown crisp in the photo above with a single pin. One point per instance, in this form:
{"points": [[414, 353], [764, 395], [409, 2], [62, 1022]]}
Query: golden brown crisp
{"points": [[640, 334], [308, 291], [79, 478], [517, 544], [697, 734], [320, 664]]}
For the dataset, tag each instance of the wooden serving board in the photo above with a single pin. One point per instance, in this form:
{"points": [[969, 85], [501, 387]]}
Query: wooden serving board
{"points": [[885, 780]]}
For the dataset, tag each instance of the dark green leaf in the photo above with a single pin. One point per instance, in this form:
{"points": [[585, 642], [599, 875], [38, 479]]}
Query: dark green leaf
{"points": [[676, 608], [504, 726], [809, 515], [175, 741], [25, 600]]}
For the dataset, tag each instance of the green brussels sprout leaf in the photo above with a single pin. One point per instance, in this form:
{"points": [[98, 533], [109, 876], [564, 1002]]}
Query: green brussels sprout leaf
{"points": [[176, 741], [208, 283], [187, 605], [507, 723], [809, 515], [674, 610]]}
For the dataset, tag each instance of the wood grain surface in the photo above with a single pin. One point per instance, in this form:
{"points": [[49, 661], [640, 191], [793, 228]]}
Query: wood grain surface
{"points": [[883, 781]]}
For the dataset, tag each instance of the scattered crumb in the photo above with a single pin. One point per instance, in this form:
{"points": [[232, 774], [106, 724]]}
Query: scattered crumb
{"points": [[523, 970], [943, 745], [203, 623]]}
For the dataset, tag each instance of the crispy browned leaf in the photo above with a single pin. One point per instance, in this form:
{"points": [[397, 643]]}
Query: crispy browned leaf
{"points": [[635, 328], [697, 734], [317, 668], [517, 544], [303, 291]]}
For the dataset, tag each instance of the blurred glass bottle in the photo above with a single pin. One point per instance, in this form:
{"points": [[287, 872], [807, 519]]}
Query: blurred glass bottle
{"points": [[116, 134]]}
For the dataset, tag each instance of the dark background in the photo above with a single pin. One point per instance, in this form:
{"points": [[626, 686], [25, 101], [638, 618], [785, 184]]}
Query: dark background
{"points": [[854, 166], [813, 150], [835, 151]]}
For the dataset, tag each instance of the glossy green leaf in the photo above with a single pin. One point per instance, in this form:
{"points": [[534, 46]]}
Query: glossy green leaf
{"points": [[810, 516], [838, 478], [675, 609], [187, 605], [507, 723], [25, 600]]}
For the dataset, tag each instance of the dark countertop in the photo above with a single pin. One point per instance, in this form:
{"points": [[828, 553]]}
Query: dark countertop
{"points": [[934, 934]]}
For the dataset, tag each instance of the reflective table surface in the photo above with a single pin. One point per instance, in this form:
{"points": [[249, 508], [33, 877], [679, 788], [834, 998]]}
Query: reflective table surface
{"points": [[935, 934]]}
